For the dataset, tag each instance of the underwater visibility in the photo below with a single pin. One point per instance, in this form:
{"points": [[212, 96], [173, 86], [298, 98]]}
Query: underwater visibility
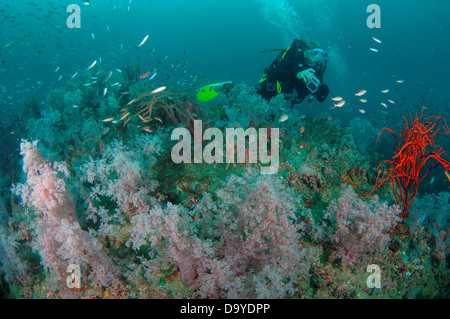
{"points": [[262, 149]]}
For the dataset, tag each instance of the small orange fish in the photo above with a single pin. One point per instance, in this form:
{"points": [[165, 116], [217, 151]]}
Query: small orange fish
{"points": [[158, 119], [162, 88], [361, 93], [392, 102], [90, 67], [131, 102], [340, 104], [363, 100], [447, 175], [362, 111], [124, 116], [108, 119], [143, 41], [144, 119], [147, 129], [329, 118], [376, 40], [283, 118], [143, 76], [337, 99], [302, 130], [385, 91]]}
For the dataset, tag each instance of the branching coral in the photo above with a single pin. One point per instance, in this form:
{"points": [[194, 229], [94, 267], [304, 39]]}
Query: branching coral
{"points": [[120, 181], [95, 136], [180, 107], [246, 246], [363, 133], [414, 147], [360, 228], [58, 237]]}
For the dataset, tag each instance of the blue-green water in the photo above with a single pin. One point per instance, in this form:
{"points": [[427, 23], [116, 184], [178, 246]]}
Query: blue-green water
{"points": [[223, 40]]}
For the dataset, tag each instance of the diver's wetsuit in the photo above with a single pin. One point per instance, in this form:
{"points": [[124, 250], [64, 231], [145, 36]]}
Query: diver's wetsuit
{"points": [[284, 70]]}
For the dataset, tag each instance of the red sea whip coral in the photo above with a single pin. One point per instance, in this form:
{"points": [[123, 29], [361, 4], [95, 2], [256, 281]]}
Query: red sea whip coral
{"points": [[414, 147]]}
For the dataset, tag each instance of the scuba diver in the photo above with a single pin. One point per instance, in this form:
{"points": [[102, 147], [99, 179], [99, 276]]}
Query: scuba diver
{"points": [[300, 67]]}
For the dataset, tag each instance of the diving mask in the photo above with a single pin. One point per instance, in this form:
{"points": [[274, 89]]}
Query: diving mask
{"points": [[317, 59], [319, 53]]}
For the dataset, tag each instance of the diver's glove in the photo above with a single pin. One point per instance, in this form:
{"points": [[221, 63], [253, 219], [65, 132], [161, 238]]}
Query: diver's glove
{"points": [[306, 75], [322, 93]]}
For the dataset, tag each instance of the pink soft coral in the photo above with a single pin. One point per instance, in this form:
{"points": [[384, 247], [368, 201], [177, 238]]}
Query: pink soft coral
{"points": [[44, 191], [59, 239], [360, 228]]}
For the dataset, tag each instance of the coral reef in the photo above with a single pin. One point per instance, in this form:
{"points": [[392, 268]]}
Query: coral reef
{"points": [[58, 238], [361, 229], [244, 246], [101, 192], [363, 133]]}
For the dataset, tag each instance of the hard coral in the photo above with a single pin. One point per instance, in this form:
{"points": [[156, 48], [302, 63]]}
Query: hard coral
{"points": [[311, 178]]}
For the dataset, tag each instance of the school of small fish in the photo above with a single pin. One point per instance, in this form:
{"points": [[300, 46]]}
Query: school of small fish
{"points": [[341, 102]]}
